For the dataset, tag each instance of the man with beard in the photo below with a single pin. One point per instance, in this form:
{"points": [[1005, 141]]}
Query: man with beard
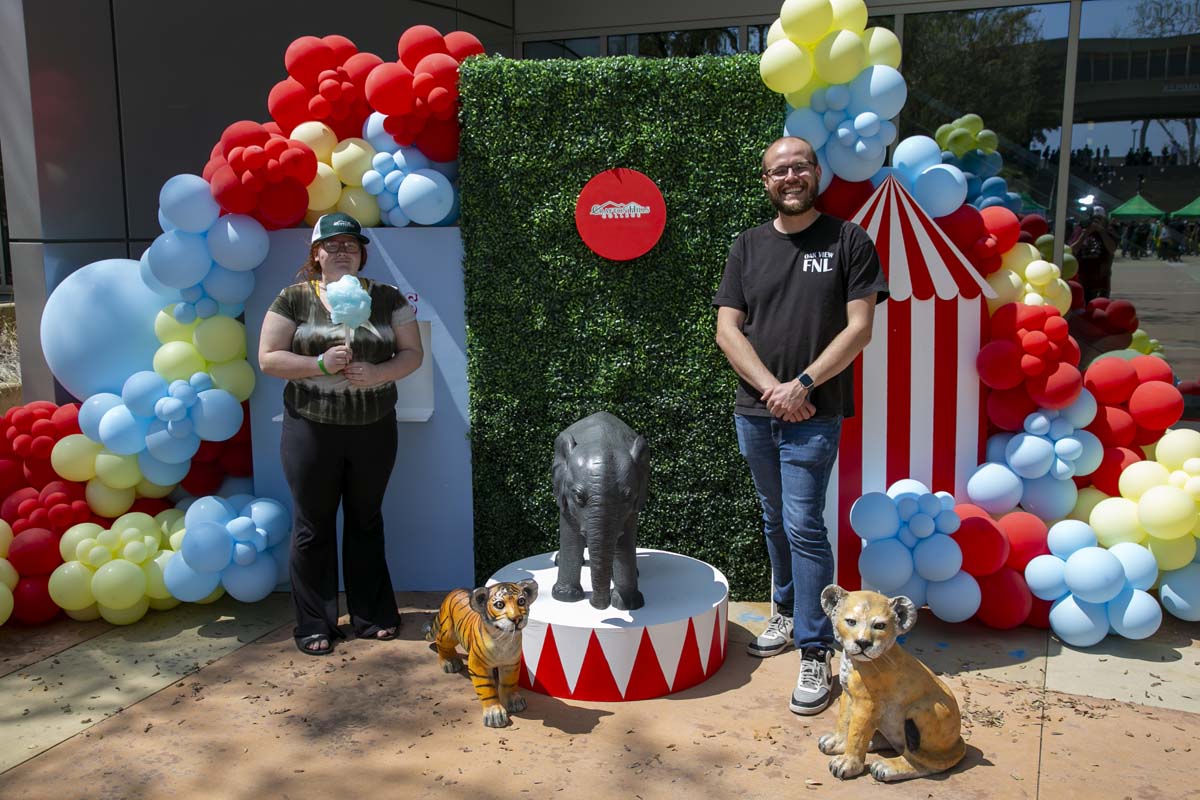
{"points": [[794, 309]]}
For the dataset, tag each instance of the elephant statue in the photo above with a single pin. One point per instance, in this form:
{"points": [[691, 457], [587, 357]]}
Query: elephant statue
{"points": [[600, 471]]}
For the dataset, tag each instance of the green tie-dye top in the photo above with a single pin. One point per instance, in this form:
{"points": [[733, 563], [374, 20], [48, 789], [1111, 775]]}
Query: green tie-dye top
{"points": [[331, 398]]}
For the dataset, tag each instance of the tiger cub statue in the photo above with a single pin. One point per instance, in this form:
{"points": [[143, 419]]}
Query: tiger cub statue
{"points": [[886, 690], [487, 622]]}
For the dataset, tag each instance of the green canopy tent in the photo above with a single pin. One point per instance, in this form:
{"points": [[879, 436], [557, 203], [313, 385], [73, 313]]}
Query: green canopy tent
{"points": [[1031, 206], [1192, 209], [1136, 206]]}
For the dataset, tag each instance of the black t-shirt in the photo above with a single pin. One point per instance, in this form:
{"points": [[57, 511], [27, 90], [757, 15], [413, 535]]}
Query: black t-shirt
{"points": [[794, 289]]}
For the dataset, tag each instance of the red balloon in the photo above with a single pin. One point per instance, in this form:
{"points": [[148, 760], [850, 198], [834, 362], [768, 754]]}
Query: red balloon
{"points": [[287, 104], [1113, 426], [1111, 380], [1069, 352], [1145, 436], [359, 66], [1107, 476], [1026, 538], [965, 510], [308, 57], [389, 89], [66, 420], [202, 479], [1122, 316], [1057, 388], [243, 133], [999, 364], [12, 477], [1035, 225], [150, 505], [1035, 342], [440, 66], [1005, 599], [984, 546], [1003, 324], [1149, 368], [237, 461], [439, 140], [1189, 387], [1156, 405], [342, 47], [1039, 614], [281, 205], [418, 42], [31, 601], [9, 508], [299, 162], [34, 552], [1025, 237], [461, 45], [1008, 408], [1056, 329], [1003, 224], [1076, 295], [843, 198], [230, 193], [1033, 317]]}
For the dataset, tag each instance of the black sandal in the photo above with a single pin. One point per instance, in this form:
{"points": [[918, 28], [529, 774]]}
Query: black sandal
{"points": [[303, 644], [388, 634]]}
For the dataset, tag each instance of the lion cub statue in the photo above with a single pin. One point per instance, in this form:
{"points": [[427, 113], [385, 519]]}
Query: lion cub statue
{"points": [[886, 690], [487, 622]]}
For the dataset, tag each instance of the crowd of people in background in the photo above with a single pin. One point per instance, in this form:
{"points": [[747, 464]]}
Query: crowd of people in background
{"points": [[1168, 241]]}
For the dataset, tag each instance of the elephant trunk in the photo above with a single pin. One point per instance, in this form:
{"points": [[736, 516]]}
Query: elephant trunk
{"points": [[601, 541]]}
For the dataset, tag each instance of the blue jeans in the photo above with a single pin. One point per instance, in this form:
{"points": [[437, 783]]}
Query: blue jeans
{"points": [[790, 463]]}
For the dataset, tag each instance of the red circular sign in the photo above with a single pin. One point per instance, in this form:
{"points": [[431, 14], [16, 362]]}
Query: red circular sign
{"points": [[620, 214]]}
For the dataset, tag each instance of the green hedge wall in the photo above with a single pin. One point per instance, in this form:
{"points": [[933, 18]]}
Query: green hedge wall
{"points": [[555, 332]]}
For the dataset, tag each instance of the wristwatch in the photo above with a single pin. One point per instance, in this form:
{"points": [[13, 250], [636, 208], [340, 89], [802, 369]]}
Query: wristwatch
{"points": [[805, 380]]}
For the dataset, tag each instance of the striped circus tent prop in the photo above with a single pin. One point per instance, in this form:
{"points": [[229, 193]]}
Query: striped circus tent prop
{"points": [[917, 394]]}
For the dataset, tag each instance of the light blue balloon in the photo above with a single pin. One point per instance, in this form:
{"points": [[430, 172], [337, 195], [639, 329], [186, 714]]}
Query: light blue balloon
{"points": [[123, 432], [184, 313], [937, 558], [940, 189], [238, 242], [200, 381], [239, 502], [988, 202], [848, 165], [453, 214], [92, 410], [160, 472], [1094, 575], [914, 589], [240, 528], [989, 166], [907, 537], [392, 181], [972, 162], [1068, 448], [383, 163], [832, 119], [870, 148], [808, 125], [187, 584], [1069, 535], [1048, 498], [1060, 428], [1044, 574], [885, 564], [251, 582], [995, 488], [973, 186], [190, 294], [179, 259], [1013, 202], [244, 553], [816, 101], [929, 504], [1179, 591], [181, 428], [996, 443], [887, 133], [916, 154], [209, 509], [270, 516], [880, 89], [994, 187], [845, 133], [207, 547], [1078, 623], [1134, 614], [228, 286], [97, 327], [907, 486], [168, 448], [826, 176], [376, 136], [232, 311], [947, 521], [884, 172], [164, 224], [954, 600], [837, 96], [187, 203], [1138, 564], [1061, 469], [410, 159], [396, 218], [946, 499], [387, 201], [183, 391], [167, 294], [447, 168], [1038, 423], [1082, 410], [867, 123], [372, 180], [206, 307], [425, 196], [907, 506], [1091, 453], [141, 391], [874, 516], [922, 526], [217, 415]]}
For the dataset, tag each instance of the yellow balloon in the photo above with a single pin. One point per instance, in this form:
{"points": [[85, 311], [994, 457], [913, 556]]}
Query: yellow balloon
{"points": [[169, 521], [972, 122], [1039, 272], [8, 574], [169, 329], [1166, 512], [110, 538], [312, 215], [849, 15], [75, 534], [1007, 285], [1137, 478], [156, 588], [1059, 295], [882, 47], [785, 67], [117, 472], [162, 605], [6, 537], [236, 377], [317, 135], [107, 501], [1148, 451], [1192, 487], [135, 552], [74, 457], [147, 489], [71, 586], [119, 584], [350, 159], [1089, 498], [1191, 466], [803, 98], [360, 204], [98, 556], [6, 603], [83, 549], [216, 595], [839, 57], [324, 190], [89, 614], [1176, 447], [775, 32], [178, 361], [1115, 520], [942, 136], [960, 142], [124, 616], [1172, 553], [220, 338], [806, 21], [1019, 257], [1033, 299]]}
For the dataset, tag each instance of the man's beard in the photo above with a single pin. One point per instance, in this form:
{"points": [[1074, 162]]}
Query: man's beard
{"points": [[805, 204]]}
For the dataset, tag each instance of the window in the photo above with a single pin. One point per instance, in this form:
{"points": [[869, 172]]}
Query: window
{"points": [[756, 35], [587, 47], [698, 42]]}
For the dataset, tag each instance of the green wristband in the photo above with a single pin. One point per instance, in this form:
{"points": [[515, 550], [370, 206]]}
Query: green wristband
{"points": [[321, 364]]}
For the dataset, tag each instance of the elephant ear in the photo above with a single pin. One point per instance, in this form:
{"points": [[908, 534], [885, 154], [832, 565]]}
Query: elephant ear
{"points": [[640, 453], [560, 472]]}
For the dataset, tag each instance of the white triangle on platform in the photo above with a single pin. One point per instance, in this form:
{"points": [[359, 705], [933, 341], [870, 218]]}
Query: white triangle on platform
{"points": [[620, 646], [703, 623], [533, 637], [572, 647], [723, 631], [668, 646]]}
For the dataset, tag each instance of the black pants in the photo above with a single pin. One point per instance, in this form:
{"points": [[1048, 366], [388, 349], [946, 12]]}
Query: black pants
{"points": [[324, 465]]}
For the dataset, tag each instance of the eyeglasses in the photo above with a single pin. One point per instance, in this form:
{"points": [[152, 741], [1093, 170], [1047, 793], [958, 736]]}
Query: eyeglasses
{"points": [[341, 247], [801, 169]]}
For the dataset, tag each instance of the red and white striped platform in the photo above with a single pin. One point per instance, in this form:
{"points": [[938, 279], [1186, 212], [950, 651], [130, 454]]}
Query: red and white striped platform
{"points": [[675, 641]]}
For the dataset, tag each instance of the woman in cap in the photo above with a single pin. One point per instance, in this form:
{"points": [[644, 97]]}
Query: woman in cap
{"points": [[339, 437]]}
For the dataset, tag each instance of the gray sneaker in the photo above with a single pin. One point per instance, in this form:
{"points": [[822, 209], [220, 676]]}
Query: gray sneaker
{"points": [[813, 687], [774, 640]]}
